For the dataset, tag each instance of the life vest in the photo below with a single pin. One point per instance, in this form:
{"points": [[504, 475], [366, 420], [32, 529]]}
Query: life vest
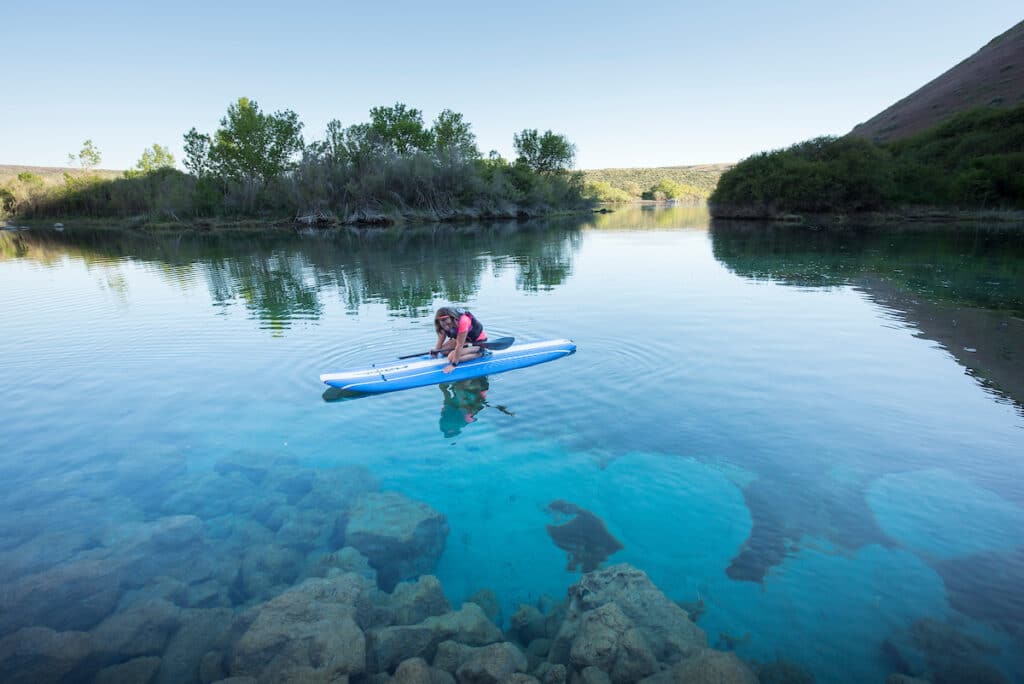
{"points": [[475, 327]]}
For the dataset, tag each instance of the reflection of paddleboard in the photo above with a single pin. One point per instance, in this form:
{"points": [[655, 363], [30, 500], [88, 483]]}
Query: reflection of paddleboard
{"points": [[424, 370]]}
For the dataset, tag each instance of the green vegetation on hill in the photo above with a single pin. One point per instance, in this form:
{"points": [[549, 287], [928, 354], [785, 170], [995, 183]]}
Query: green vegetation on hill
{"points": [[688, 183], [974, 161], [257, 165]]}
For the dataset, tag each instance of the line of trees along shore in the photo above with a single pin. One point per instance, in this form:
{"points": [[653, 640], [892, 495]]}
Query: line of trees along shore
{"points": [[393, 167], [974, 161]]}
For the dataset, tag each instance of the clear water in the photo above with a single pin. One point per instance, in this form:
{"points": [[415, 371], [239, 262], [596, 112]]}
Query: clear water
{"points": [[818, 434]]}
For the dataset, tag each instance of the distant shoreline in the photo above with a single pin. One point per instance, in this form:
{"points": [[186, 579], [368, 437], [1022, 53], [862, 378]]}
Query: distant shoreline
{"points": [[147, 224], [906, 215]]}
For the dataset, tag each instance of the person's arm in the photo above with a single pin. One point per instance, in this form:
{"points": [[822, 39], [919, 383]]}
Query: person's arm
{"points": [[439, 345], [460, 342]]}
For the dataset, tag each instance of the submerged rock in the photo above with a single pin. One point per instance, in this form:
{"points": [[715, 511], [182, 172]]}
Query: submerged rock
{"points": [[347, 559], [584, 537], [414, 602], [136, 671], [265, 570], [388, 646], [417, 671], [608, 640], [491, 664], [707, 667], [307, 633], [39, 654], [665, 627], [528, 624], [144, 628], [401, 538], [200, 631], [72, 596]]}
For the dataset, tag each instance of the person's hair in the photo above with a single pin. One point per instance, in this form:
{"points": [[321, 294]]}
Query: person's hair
{"points": [[446, 311]]}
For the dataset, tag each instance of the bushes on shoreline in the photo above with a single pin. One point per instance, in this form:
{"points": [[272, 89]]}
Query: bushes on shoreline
{"points": [[973, 161], [391, 168]]}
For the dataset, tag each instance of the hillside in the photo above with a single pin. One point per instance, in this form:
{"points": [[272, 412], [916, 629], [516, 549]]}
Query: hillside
{"points": [[993, 76], [49, 173], [703, 177]]}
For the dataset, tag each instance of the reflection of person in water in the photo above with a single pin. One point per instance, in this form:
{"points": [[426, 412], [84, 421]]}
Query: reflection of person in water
{"points": [[462, 401]]}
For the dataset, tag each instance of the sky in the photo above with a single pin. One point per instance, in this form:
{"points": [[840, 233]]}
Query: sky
{"points": [[630, 84]]}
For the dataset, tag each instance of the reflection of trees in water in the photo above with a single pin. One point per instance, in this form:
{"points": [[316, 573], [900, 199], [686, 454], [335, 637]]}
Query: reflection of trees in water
{"points": [[962, 265], [282, 276], [652, 216], [962, 287], [275, 287]]}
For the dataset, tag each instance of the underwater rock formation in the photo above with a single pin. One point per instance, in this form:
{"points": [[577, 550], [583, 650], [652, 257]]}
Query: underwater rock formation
{"points": [[780, 521], [987, 586], [307, 633], [617, 627], [261, 571], [401, 538], [665, 627], [584, 537]]}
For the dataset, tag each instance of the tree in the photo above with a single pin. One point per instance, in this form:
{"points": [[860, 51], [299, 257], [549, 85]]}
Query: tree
{"points": [[547, 153], [88, 157], [253, 146], [351, 145], [197, 153], [454, 136], [400, 129], [155, 157]]}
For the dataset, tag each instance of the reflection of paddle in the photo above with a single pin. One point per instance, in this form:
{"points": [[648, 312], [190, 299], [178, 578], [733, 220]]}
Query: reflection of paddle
{"points": [[500, 343]]}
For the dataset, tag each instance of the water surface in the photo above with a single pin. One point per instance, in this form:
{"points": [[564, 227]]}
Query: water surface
{"points": [[817, 434]]}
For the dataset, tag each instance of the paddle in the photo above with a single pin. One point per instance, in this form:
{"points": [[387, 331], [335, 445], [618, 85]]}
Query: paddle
{"points": [[500, 343]]}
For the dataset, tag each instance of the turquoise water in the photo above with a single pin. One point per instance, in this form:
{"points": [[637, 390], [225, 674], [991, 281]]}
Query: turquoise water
{"points": [[818, 435]]}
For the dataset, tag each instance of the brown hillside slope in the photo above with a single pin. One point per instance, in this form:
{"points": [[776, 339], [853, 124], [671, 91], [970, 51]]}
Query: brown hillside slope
{"points": [[993, 76]]}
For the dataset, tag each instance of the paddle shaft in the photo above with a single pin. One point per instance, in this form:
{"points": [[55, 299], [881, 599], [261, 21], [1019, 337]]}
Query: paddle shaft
{"points": [[500, 343]]}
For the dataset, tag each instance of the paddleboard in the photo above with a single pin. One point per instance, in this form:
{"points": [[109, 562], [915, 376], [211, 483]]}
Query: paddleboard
{"points": [[424, 370]]}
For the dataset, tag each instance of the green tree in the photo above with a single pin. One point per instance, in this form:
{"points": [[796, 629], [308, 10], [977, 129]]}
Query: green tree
{"points": [[400, 129], [253, 146], [197, 153], [605, 192], [155, 157], [632, 188], [351, 145], [453, 135], [547, 153], [88, 157]]}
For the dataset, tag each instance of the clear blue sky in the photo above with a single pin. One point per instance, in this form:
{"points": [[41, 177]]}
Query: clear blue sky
{"points": [[631, 84]]}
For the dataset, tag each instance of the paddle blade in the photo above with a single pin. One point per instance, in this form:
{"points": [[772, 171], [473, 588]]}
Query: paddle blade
{"points": [[500, 343]]}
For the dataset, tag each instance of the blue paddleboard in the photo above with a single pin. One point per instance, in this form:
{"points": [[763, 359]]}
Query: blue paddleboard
{"points": [[424, 370]]}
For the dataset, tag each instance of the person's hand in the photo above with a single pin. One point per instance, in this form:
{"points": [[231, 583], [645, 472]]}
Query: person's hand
{"points": [[453, 357]]}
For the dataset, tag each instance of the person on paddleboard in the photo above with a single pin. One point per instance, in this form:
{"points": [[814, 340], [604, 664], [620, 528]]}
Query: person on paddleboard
{"points": [[458, 332]]}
